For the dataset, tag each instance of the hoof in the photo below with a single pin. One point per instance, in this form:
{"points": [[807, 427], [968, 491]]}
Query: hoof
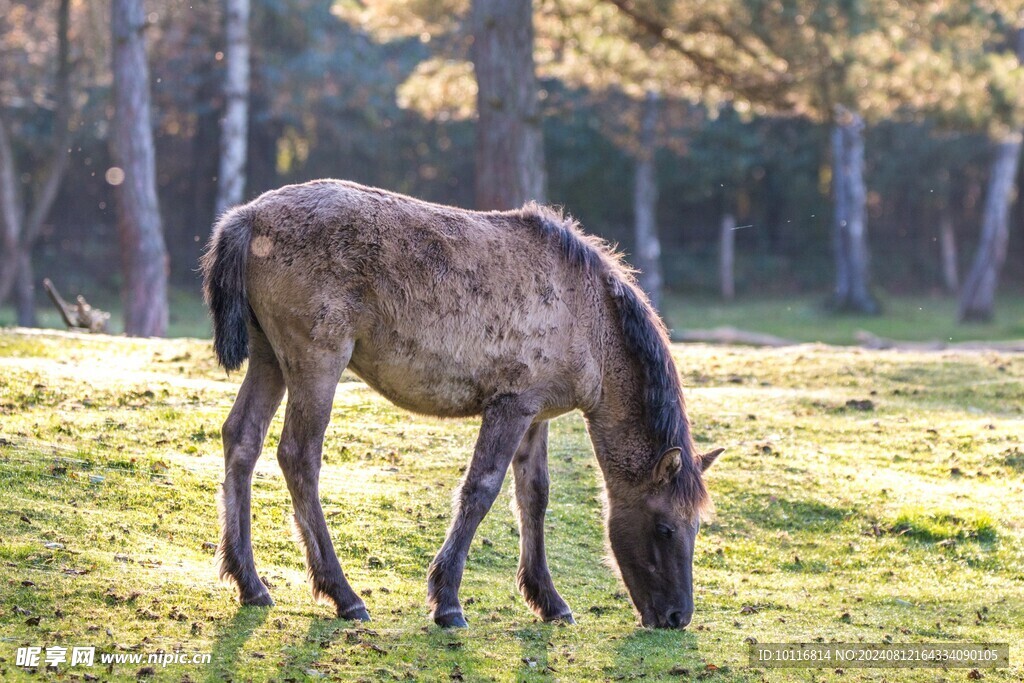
{"points": [[451, 620], [259, 600], [565, 618], [355, 614]]}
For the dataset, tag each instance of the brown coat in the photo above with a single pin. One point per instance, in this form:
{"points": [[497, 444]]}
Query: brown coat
{"points": [[448, 308]]}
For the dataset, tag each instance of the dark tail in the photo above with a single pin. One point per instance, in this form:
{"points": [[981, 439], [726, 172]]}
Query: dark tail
{"points": [[223, 267]]}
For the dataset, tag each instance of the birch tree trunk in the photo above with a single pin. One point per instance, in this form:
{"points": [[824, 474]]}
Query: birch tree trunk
{"points": [[849, 236], [25, 291], [645, 205], [947, 246], [727, 257], [10, 213], [143, 254], [978, 295], [977, 298], [509, 136], [234, 128]]}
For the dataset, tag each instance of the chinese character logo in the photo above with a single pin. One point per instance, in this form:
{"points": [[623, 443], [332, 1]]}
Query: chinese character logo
{"points": [[83, 656], [28, 656]]}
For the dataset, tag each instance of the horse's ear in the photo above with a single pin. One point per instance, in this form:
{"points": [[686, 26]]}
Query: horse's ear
{"points": [[669, 464], [708, 459]]}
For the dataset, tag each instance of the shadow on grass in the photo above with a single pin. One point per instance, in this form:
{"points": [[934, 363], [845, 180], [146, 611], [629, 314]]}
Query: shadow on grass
{"points": [[535, 645], [232, 638], [658, 653], [774, 513], [460, 653], [321, 635]]}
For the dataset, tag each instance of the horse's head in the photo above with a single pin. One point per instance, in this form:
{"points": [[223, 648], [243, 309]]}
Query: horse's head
{"points": [[652, 529]]}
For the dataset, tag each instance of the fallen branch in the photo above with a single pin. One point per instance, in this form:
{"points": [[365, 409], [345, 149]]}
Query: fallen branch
{"points": [[872, 341], [81, 316], [730, 335]]}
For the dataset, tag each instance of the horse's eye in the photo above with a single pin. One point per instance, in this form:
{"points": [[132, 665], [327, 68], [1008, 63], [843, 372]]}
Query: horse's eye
{"points": [[664, 530]]}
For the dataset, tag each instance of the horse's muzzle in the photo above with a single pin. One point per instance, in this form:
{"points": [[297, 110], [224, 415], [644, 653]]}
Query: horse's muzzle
{"points": [[672, 618], [678, 618]]}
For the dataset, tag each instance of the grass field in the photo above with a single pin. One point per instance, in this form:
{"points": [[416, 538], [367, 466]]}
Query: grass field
{"points": [[864, 496], [800, 318], [805, 319]]}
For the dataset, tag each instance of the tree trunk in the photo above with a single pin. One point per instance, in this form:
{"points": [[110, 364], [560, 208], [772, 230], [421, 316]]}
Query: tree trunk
{"points": [[509, 136], [25, 291], [16, 268], [143, 254], [977, 298], [10, 213], [19, 232], [850, 245], [234, 127], [947, 246], [645, 205], [727, 257]]}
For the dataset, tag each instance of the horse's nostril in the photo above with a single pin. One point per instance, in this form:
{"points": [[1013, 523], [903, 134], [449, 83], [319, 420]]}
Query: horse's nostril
{"points": [[678, 618]]}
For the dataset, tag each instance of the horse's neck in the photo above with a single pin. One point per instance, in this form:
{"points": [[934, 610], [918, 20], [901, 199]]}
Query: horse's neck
{"points": [[617, 424]]}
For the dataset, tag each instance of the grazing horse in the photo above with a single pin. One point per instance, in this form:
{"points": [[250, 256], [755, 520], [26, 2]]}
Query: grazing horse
{"points": [[516, 316]]}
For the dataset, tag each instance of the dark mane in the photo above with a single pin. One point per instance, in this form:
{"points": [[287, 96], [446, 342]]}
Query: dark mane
{"points": [[645, 336]]}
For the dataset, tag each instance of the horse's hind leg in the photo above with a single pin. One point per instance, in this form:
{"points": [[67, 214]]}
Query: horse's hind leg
{"points": [[312, 381], [530, 468], [243, 434]]}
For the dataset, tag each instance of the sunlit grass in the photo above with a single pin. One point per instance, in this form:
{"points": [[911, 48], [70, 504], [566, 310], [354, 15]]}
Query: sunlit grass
{"points": [[937, 525], [863, 496], [806, 319]]}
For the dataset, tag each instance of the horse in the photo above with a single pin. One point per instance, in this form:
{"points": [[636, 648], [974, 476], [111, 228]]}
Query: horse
{"points": [[515, 316]]}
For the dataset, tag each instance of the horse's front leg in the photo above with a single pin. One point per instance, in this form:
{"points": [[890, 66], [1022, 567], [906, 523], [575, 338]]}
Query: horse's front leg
{"points": [[505, 421], [530, 468]]}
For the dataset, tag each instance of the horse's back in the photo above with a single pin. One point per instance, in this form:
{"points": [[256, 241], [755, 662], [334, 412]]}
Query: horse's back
{"points": [[446, 307]]}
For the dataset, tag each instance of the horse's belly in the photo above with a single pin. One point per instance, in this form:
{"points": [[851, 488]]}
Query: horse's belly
{"points": [[425, 384], [439, 362]]}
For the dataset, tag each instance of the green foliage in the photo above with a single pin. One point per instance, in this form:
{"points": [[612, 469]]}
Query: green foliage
{"points": [[335, 92], [878, 57], [115, 466]]}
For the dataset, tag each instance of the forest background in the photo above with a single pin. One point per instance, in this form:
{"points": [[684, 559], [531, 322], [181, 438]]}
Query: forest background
{"points": [[850, 153]]}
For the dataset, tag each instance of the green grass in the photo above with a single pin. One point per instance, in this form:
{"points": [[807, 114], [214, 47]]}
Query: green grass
{"points": [[799, 318], [804, 318], [864, 496], [931, 525]]}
